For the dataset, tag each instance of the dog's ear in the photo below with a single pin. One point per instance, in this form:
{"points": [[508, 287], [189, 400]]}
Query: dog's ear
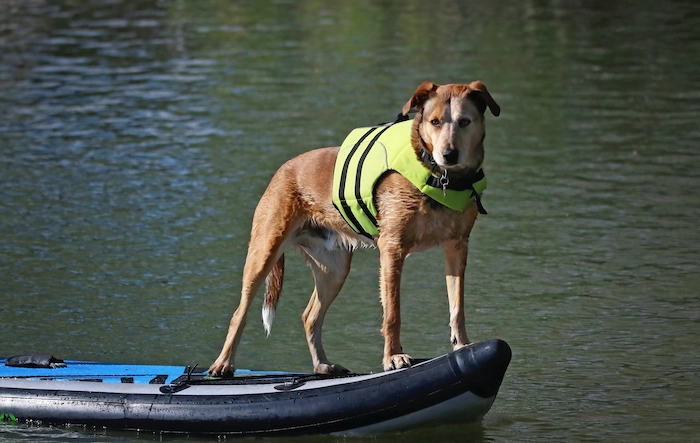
{"points": [[420, 96], [485, 97]]}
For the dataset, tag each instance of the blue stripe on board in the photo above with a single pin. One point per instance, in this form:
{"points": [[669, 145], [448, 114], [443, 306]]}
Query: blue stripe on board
{"points": [[110, 372]]}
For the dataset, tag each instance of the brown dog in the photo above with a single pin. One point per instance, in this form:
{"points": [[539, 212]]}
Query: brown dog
{"points": [[297, 209]]}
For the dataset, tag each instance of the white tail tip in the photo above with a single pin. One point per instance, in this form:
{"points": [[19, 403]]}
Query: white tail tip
{"points": [[268, 318]]}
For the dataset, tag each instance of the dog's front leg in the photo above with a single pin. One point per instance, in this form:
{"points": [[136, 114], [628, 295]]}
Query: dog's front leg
{"points": [[391, 260], [455, 265]]}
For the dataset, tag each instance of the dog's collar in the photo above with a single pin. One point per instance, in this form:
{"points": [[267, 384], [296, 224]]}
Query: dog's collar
{"points": [[456, 184], [430, 162]]}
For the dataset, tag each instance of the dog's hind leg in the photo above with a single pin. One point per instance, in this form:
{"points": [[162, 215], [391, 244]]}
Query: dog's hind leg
{"points": [[273, 223], [330, 268], [258, 265]]}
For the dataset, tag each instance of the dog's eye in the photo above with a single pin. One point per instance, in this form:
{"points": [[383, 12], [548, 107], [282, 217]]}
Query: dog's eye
{"points": [[464, 122], [435, 122]]}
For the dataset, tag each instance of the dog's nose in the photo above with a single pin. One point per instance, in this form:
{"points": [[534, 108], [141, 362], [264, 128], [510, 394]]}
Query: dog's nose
{"points": [[451, 156]]}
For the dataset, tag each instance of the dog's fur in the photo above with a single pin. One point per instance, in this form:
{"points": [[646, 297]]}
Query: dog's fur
{"points": [[297, 210]]}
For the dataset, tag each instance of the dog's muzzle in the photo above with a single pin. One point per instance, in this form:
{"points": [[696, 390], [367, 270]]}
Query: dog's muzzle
{"points": [[451, 156]]}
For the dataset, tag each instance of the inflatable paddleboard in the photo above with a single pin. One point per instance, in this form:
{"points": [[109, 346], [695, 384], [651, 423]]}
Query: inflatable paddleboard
{"points": [[457, 387]]}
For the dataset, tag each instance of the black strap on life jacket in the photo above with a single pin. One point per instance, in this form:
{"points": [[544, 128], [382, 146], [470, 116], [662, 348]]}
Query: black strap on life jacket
{"points": [[401, 117]]}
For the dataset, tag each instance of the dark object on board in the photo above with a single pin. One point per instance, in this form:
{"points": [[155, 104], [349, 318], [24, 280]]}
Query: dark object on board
{"points": [[34, 361]]}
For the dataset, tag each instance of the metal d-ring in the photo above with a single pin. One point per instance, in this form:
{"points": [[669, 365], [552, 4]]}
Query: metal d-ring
{"points": [[444, 181]]}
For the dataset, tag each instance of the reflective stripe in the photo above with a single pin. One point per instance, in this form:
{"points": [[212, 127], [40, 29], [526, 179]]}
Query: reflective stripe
{"points": [[358, 179], [347, 212]]}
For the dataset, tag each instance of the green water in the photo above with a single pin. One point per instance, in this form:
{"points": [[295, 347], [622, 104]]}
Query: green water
{"points": [[136, 138]]}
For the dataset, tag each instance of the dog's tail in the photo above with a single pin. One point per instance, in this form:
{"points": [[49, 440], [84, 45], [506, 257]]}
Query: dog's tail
{"points": [[273, 288]]}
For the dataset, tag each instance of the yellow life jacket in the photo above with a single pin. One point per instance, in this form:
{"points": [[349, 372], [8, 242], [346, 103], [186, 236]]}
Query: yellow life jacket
{"points": [[368, 153]]}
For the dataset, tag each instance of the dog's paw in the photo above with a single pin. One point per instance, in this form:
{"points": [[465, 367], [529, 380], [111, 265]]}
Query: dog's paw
{"points": [[221, 369], [397, 361], [329, 368], [460, 345]]}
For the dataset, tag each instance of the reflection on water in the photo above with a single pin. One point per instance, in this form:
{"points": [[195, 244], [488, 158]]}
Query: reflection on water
{"points": [[136, 137]]}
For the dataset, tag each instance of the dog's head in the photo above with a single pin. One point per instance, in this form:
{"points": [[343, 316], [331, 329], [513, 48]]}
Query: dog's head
{"points": [[450, 123]]}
